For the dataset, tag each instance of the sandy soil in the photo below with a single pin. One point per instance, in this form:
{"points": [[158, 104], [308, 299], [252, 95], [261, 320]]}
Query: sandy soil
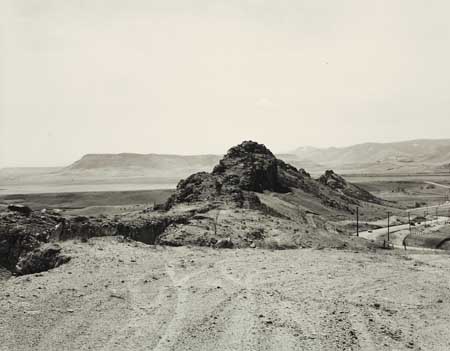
{"points": [[129, 296]]}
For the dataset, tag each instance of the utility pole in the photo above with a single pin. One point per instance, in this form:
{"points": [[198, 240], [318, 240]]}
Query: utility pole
{"points": [[389, 218], [357, 221], [409, 222]]}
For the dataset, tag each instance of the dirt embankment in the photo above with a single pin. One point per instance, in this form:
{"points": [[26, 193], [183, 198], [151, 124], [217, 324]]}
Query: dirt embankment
{"points": [[29, 239]]}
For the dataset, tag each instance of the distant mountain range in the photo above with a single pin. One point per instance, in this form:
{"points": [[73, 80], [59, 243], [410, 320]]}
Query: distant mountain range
{"points": [[424, 151], [155, 165], [407, 157], [415, 156]]}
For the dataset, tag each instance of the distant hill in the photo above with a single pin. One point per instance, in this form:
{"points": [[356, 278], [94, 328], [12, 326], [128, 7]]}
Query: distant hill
{"points": [[160, 165], [142, 164], [407, 156]]}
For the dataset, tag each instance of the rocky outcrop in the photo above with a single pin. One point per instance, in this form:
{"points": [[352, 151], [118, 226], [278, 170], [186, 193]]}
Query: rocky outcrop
{"points": [[28, 243], [25, 210], [246, 169], [149, 230], [21, 234], [251, 168], [41, 259], [25, 238], [339, 184]]}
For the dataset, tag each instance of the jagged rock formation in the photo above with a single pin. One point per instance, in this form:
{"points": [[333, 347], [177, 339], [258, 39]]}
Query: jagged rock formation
{"points": [[246, 168], [41, 259], [251, 168], [21, 236], [25, 210], [339, 184]]}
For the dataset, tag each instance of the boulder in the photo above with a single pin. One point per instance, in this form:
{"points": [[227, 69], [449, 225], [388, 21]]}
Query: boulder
{"points": [[22, 209], [41, 259], [224, 244]]}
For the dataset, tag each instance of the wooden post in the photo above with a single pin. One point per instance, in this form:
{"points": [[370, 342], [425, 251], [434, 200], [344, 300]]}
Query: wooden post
{"points": [[357, 221], [409, 222], [389, 217]]}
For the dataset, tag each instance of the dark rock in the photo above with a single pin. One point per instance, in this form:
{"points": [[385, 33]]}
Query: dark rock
{"points": [[339, 184], [246, 168], [251, 168], [21, 236], [224, 244], [25, 210], [148, 231], [41, 259], [80, 219], [257, 234]]}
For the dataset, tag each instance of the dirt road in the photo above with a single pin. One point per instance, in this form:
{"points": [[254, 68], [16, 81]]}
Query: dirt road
{"points": [[376, 233], [399, 232], [439, 185], [129, 296]]}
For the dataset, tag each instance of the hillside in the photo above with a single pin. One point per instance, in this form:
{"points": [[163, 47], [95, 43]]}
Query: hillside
{"points": [[260, 198], [408, 156]]}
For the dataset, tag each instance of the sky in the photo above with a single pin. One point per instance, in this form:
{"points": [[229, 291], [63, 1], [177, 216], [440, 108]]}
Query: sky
{"points": [[199, 76]]}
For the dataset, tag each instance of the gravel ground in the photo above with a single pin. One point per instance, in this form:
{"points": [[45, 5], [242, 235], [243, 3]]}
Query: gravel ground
{"points": [[128, 296]]}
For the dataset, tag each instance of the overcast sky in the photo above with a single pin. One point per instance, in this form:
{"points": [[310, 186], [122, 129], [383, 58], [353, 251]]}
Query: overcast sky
{"points": [[198, 76]]}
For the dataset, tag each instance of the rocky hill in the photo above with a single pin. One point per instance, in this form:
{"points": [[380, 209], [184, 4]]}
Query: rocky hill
{"points": [[250, 168], [339, 184], [253, 198]]}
